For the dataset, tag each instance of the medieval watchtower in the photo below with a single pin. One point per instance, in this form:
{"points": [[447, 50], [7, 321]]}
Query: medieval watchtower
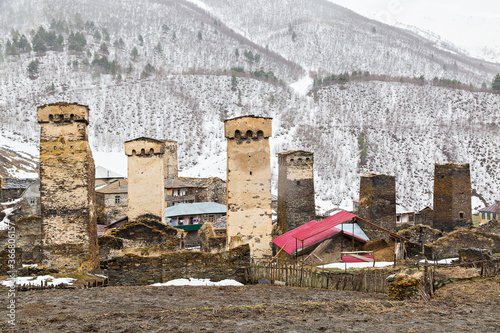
{"points": [[452, 196], [170, 158], [67, 171], [296, 205], [377, 202], [249, 219], [146, 165]]}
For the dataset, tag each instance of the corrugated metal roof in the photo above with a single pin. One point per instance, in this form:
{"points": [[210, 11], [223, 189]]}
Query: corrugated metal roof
{"points": [[326, 224], [196, 208], [292, 244], [495, 208]]}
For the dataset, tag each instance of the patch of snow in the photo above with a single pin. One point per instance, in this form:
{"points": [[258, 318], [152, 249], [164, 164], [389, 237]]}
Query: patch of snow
{"points": [[356, 265], [30, 266], [303, 85], [37, 281], [447, 261], [4, 224], [198, 282]]}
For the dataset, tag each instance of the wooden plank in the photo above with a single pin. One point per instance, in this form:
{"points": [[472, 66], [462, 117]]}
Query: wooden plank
{"points": [[361, 258]]}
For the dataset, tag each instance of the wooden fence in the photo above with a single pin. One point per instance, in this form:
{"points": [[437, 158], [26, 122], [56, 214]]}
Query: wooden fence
{"points": [[296, 274]]}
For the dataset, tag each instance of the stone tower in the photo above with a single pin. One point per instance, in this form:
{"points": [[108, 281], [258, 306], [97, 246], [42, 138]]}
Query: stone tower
{"points": [[69, 233], [296, 205], [377, 203], [249, 215], [170, 157], [452, 196], [146, 164]]}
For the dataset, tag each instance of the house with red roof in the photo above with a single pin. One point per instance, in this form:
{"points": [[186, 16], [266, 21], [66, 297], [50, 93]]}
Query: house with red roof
{"points": [[346, 232]]}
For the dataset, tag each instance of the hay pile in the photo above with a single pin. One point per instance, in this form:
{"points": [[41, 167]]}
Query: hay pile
{"points": [[382, 250]]}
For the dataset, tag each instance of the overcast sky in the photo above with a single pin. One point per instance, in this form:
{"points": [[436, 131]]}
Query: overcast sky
{"points": [[471, 25]]}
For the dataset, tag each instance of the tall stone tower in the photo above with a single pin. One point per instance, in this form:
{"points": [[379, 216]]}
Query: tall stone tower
{"points": [[171, 161], [67, 171], [296, 205], [452, 196], [377, 203], [249, 215], [146, 165]]}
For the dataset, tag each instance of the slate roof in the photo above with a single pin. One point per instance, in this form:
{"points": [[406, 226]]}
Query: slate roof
{"points": [[116, 187], [196, 208]]}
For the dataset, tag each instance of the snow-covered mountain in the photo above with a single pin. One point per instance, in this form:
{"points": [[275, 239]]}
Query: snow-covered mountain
{"points": [[197, 63]]}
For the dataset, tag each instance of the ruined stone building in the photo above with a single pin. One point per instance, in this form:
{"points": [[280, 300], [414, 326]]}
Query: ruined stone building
{"points": [[377, 203], [296, 204], [13, 188], [452, 196], [249, 215], [30, 201], [112, 202], [146, 178], [68, 232]]}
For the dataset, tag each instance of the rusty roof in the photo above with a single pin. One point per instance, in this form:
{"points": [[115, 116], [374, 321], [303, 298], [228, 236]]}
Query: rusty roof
{"points": [[116, 187], [495, 208]]}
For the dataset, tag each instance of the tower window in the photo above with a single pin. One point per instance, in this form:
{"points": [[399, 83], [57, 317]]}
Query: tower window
{"points": [[250, 173], [117, 199], [461, 215], [298, 182]]}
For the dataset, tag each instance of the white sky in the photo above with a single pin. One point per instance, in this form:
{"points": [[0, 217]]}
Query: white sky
{"points": [[471, 25]]}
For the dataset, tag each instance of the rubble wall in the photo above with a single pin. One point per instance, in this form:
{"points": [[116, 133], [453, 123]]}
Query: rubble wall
{"points": [[139, 270]]}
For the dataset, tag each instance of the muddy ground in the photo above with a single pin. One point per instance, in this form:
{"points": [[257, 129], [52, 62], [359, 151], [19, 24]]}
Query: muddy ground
{"points": [[459, 307]]}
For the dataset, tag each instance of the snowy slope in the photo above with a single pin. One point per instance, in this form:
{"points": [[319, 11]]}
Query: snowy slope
{"points": [[394, 127], [471, 25]]}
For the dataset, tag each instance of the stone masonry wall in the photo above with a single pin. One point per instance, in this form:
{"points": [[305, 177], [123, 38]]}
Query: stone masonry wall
{"points": [[452, 196], [249, 215], [377, 203], [296, 204], [138, 270], [69, 235], [108, 211]]}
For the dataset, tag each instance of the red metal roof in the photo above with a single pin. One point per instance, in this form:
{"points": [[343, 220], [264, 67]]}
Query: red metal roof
{"points": [[313, 232], [326, 224]]}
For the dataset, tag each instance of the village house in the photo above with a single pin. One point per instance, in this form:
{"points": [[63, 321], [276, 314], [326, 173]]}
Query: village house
{"points": [[189, 190], [338, 237], [194, 213], [13, 188], [424, 216], [111, 201], [190, 217], [403, 215], [489, 213]]}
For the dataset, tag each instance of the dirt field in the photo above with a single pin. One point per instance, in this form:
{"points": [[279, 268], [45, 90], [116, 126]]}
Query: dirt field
{"points": [[460, 307]]}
